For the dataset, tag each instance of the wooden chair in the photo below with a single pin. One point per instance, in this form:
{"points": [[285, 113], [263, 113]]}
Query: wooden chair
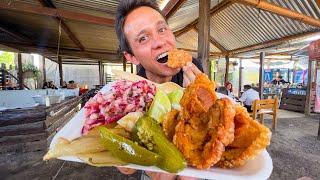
{"points": [[266, 106]]}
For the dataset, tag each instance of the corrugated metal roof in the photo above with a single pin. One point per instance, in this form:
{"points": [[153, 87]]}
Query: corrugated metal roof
{"points": [[187, 13], [240, 26], [189, 40]]}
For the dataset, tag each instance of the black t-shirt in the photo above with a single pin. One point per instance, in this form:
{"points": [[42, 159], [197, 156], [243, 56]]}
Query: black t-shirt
{"points": [[178, 78]]}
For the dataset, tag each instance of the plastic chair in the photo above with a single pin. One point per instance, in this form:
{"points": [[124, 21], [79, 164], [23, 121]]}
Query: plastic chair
{"points": [[266, 106]]}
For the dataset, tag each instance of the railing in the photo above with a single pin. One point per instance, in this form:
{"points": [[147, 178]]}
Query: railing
{"points": [[5, 76]]}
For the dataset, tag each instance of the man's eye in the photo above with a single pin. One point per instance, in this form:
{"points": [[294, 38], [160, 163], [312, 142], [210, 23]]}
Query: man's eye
{"points": [[162, 30], [142, 39]]}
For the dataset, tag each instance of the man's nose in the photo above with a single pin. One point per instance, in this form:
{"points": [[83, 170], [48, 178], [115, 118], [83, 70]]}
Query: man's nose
{"points": [[157, 42]]}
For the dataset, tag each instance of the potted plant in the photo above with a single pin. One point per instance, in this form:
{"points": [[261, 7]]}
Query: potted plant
{"points": [[30, 71]]}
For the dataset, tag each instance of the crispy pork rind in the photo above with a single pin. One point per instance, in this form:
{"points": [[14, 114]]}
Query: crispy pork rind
{"points": [[251, 138], [178, 58]]}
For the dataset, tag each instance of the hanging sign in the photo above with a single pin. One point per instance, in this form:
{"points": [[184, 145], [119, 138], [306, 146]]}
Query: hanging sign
{"points": [[314, 50]]}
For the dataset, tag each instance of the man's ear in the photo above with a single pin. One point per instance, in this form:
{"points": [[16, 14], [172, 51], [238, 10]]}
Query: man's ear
{"points": [[131, 58]]}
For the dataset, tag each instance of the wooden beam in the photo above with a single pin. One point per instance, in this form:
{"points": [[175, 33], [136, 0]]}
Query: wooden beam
{"points": [[131, 67], [273, 42], [65, 14], [211, 53], [20, 75], [226, 75], [276, 9], [60, 70], [48, 3], [261, 74], [214, 42], [44, 72], [240, 76], [101, 73], [204, 34], [309, 89], [124, 64], [51, 51], [14, 34], [172, 7], [216, 9]]}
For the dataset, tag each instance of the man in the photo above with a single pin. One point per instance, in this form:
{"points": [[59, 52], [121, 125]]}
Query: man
{"points": [[278, 80], [248, 96], [145, 38]]}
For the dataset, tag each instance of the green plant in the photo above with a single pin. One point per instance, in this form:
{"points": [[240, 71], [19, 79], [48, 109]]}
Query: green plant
{"points": [[31, 68]]}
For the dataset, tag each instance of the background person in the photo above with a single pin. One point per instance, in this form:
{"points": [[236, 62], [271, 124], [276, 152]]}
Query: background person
{"points": [[248, 96]]}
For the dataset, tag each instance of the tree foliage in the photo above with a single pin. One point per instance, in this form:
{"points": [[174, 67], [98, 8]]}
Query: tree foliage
{"points": [[7, 58]]}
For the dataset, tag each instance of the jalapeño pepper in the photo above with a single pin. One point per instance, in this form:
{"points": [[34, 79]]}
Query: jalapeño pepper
{"points": [[127, 150], [148, 132]]}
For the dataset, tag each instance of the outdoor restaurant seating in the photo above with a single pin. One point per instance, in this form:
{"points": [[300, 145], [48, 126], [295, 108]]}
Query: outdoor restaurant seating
{"points": [[266, 106]]}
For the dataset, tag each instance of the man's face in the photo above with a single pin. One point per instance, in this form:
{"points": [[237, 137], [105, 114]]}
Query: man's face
{"points": [[149, 37]]}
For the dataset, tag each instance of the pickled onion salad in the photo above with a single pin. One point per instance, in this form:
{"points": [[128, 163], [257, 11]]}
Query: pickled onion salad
{"points": [[124, 97]]}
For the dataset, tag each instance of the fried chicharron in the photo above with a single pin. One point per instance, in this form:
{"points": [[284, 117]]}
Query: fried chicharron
{"points": [[214, 132], [250, 138], [206, 125], [178, 58]]}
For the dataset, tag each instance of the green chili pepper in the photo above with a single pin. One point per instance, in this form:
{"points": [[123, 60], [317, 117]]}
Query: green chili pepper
{"points": [[127, 150], [149, 133]]}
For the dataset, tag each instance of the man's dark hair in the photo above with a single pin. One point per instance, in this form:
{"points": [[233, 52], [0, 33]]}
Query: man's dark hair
{"points": [[247, 86], [124, 8]]}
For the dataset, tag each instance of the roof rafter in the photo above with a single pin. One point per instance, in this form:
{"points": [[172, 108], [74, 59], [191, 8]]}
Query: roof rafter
{"points": [[216, 9], [272, 42], [25, 7], [48, 3], [214, 42], [196, 51], [172, 7], [273, 8]]}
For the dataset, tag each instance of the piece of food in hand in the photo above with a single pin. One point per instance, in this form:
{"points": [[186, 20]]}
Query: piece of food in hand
{"points": [[124, 97], [101, 159], [129, 120], [251, 138], [160, 106], [85, 144], [150, 134], [206, 125], [178, 58], [126, 150]]}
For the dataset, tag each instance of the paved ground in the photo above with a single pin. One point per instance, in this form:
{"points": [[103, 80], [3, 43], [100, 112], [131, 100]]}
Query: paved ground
{"points": [[294, 150]]}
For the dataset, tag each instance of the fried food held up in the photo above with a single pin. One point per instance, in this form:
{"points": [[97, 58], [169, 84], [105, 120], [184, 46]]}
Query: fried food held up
{"points": [[206, 125], [178, 58]]}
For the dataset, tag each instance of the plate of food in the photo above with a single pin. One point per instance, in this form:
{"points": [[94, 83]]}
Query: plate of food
{"points": [[138, 124]]}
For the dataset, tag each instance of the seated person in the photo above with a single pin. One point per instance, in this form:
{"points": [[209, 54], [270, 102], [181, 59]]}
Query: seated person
{"points": [[72, 85], [229, 88], [45, 85], [51, 85], [248, 96], [64, 85]]}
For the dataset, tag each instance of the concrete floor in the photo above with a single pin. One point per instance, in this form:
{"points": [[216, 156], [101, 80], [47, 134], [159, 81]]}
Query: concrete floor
{"points": [[294, 150]]}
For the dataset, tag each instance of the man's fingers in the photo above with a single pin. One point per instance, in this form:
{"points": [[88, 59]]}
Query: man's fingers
{"points": [[126, 171], [186, 80]]}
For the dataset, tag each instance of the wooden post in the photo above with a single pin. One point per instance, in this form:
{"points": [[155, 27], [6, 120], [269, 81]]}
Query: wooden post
{"points": [[20, 75], [60, 70], [204, 34], [261, 74], [240, 76], [131, 68], [124, 64], [308, 93], [226, 76], [44, 69], [101, 73], [3, 76]]}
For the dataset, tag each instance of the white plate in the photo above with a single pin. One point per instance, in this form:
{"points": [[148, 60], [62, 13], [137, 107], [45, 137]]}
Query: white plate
{"points": [[259, 168]]}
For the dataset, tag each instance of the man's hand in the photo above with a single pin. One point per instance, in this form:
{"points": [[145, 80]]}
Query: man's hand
{"points": [[126, 171], [190, 71]]}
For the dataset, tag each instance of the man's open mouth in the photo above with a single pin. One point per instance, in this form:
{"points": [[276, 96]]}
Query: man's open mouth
{"points": [[163, 58]]}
